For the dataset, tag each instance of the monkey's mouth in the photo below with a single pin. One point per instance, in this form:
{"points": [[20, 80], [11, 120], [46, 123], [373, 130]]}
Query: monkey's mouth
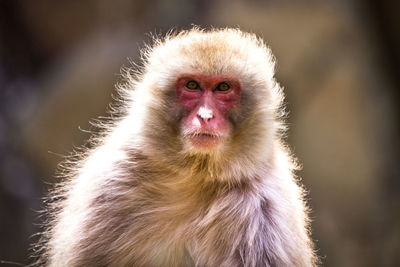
{"points": [[205, 140], [205, 135]]}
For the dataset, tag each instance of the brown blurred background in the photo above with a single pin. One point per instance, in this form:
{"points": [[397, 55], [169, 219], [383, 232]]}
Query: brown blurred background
{"points": [[338, 61]]}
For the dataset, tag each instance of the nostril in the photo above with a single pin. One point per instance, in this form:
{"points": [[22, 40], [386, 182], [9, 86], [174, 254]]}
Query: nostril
{"points": [[205, 114], [205, 119]]}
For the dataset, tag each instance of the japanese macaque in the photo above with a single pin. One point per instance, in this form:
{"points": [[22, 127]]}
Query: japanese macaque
{"points": [[193, 173]]}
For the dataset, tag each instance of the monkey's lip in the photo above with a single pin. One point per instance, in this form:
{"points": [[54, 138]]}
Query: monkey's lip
{"points": [[205, 140]]}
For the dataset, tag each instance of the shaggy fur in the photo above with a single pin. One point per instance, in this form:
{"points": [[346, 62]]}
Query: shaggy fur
{"points": [[143, 196]]}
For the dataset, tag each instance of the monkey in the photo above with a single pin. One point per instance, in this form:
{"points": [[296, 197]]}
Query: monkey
{"points": [[194, 172]]}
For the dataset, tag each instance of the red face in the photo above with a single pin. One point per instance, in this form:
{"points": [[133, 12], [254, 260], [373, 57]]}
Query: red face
{"points": [[207, 101]]}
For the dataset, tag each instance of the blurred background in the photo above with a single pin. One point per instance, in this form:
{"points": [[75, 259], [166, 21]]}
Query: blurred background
{"points": [[338, 61]]}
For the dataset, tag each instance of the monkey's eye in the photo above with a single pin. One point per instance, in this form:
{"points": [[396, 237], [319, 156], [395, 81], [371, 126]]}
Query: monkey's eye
{"points": [[192, 85], [224, 86]]}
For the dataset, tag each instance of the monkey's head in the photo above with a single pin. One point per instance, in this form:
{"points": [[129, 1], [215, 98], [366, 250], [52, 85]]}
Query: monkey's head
{"points": [[209, 95]]}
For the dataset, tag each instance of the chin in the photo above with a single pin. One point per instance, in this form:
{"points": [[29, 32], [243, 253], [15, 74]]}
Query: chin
{"points": [[205, 143]]}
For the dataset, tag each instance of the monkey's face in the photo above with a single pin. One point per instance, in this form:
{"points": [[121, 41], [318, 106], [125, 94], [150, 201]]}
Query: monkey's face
{"points": [[207, 102]]}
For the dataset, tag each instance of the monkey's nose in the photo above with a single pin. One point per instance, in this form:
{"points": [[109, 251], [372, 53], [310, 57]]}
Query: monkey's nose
{"points": [[205, 114]]}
